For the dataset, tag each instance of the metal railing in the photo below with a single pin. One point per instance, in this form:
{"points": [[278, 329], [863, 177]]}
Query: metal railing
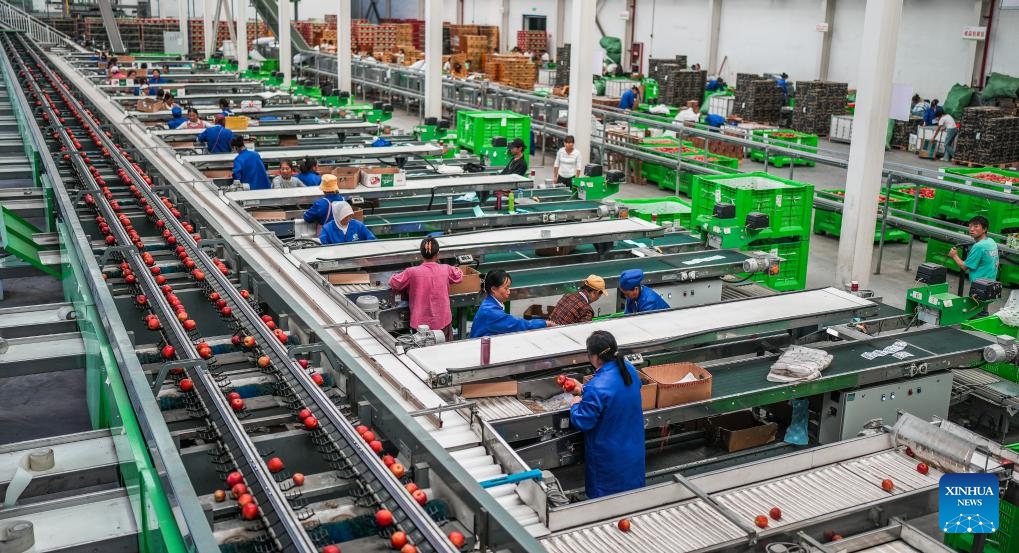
{"points": [[14, 18]]}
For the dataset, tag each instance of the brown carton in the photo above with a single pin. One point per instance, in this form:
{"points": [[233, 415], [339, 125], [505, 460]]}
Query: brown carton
{"points": [[671, 391], [488, 389], [471, 283], [349, 278], [347, 177], [536, 311], [740, 430]]}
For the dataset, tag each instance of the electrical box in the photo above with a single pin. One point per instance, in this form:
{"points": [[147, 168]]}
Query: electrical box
{"points": [[690, 294], [844, 413]]}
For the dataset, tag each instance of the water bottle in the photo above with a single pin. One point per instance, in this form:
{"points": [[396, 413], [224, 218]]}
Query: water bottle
{"points": [[486, 350], [511, 202]]}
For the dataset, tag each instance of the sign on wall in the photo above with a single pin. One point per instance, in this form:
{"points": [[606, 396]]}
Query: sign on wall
{"points": [[974, 33], [821, 27]]}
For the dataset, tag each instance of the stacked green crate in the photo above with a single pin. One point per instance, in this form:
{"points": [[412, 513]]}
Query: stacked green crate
{"points": [[937, 252], [788, 205], [961, 207], [664, 175], [926, 204], [830, 222], [785, 138], [476, 129], [662, 210]]}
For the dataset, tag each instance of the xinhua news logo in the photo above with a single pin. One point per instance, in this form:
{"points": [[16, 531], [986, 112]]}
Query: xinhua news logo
{"points": [[968, 504]]}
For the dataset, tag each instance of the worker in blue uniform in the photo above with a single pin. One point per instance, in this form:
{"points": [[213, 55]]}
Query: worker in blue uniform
{"points": [[781, 82], [714, 120], [492, 318], [249, 167], [629, 99], [224, 107], [217, 138], [344, 227], [639, 299], [321, 212], [607, 409], [309, 172], [154, 82], [178, 118], [716, 85]]}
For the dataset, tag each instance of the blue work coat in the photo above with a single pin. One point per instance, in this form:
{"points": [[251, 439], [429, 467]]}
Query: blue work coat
{"points": [[217, 138], [176, 122], [331, 233], [321, 211], [249, 169], [310, 178], [783, 85], [492, 319], [648, 300], [712, 85], [627, 100], [612, 420]]}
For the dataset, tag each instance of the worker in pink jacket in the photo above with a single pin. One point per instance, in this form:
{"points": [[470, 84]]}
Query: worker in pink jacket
{"points": [[427, 287]]}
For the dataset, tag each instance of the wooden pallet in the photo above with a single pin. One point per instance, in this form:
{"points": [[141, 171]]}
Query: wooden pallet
{"points": [[964, 163]]}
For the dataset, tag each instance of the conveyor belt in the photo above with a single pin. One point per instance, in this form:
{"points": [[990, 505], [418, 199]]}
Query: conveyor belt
{"points": [[256, 113], [308, 194], [359, 254], [670, 242], [210, 99], [322, 154], [561, 346], [240, 86], [261, 130], [430, 221], [398, 206]]}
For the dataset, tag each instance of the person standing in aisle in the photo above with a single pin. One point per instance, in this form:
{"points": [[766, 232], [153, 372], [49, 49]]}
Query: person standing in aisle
{"points": [[217, 138], [639, 298], [492, 318], [320, 212], [286, 178], [427, 287], [982, 259], [946, 126], [568, 163], [248, 166], [575, 307], [309, 172], [344, 227], [608, 410], [517, 164], [630, 99]]}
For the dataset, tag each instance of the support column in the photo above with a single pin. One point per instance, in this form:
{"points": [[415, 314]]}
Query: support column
{"points": [[209, 29], [980, 10], [433, 58], [183, 25], [583, 42], [624, 58], [824, 59], [242, 35], [504, 13], [867, 151], [560, 24], [286, 58], [343, 46], [715, 28]]}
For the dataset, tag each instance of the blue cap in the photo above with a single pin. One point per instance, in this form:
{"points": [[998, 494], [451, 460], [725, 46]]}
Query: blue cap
{"points": [[176, 111], [630, 279]]}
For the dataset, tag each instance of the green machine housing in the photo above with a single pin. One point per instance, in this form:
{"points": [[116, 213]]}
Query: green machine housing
{"points": [[934, 304]]}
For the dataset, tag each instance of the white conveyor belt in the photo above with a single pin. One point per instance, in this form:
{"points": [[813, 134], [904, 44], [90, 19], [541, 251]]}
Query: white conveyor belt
{"points": [[523, 235], [652, 327], [308, 194], [209, 111], [317, 128], [323, 153]]}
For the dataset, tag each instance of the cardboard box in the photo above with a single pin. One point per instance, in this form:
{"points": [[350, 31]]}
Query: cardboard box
{"points": [[384, 177], [349, 278], [536, 311], [671, 392], [274, 215], [237, 122], [740, 430], [471, 283], [488, 389], [648, 391], [347, 177]]}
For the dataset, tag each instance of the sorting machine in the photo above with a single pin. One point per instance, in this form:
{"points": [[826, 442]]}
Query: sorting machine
{"points": [[472, 452]]}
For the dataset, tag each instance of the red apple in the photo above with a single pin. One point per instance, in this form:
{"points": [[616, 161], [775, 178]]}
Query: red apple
{"points": [[249, 511], [311, 423], [190, 324], [376, 446], [304, 413], [887, 485], [368, 436], [318, 379], [411, 487], [245, 499], [388, 460], [234, 478], [238, 490], [304, 363], [383, 518], [775, 513], [186, 385], [237, 404], [298, 479], [761, 521], [398, 540], [361, 429], [275, 464], [330, 549], [408, 549], [624, 525], [397, 470], [922, 468], [264, 361], [420, 497], [232, 396], [219, 496], [457, 539], [168, 352]]}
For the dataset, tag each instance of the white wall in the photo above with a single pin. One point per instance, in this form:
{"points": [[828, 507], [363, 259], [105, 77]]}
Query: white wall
{"points": [[770, 36], [1003, 54]]}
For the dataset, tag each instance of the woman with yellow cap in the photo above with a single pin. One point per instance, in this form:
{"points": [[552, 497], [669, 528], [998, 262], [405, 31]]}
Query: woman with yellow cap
{"points": [[320, 212], [575, 307]]}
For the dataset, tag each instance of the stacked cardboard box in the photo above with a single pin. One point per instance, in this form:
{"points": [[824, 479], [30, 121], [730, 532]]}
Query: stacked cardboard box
{"points": [[409, 31], [532, 41], [514, 70], [454, 37], [562, 67], [900, 131], [987, 136], [679, 87], [477, 48], [663, 66], [816, 102], [759, 101]]}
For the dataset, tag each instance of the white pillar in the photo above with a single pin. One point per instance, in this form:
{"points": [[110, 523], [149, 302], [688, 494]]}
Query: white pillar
{"points": [[824, 59], [714, 30], [242, 35], [209, 29], [504, 38], [286, 58], [183, 24], [867, 151], [343, 46], [583, 41], [433, 58], [560, 25]]}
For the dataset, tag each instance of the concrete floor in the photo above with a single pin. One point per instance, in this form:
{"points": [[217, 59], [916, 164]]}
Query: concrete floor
{"points": [[895, 276]]}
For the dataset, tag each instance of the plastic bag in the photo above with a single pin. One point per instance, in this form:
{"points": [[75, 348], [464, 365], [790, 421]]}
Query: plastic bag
{"points": [[958, 98], [1001, 86], [1010, 313]]}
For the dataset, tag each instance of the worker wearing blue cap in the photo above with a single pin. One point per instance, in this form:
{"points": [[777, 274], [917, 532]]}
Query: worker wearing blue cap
{"points": [[639, 298], [178, 118]]}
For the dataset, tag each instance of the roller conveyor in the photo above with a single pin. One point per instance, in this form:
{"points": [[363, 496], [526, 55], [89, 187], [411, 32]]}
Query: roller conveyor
{"points": [[459, 219], [176, 88], [358, 254], [322, 154], [208, 99], [430, 186], [266, 129], [287, 112]]}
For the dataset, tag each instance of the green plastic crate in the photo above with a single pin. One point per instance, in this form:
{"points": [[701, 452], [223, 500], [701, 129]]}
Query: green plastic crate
{"points": [[830, 222], [788, 204], [785, 138], [792, 272], [665, 176], [476, 129], [925, 206], [590, 188], [962, 207], [937, 252], [668, 209]]}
